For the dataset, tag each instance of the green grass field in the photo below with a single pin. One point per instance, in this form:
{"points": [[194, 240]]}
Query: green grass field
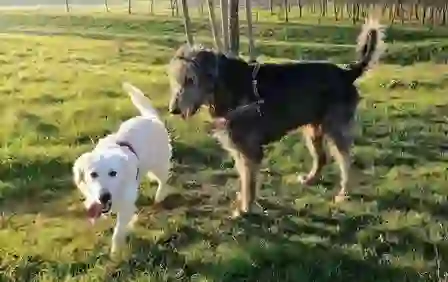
{"points": [[61, 90]]}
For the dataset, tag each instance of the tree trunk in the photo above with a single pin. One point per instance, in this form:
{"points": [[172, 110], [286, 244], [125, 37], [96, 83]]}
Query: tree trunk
{"points": [[225, 25], [354, 13], [67, 6], [201, 8], [211, 15], [187, 23], [177, 7], [416, 7], [431, 15], [271, 6], [285, 4], [444, 16], [151, 7], [252, 57], [300, 8], [336, 12], [234, 28], [323, 8], [129, 7], [424, 14], [106, 5]]}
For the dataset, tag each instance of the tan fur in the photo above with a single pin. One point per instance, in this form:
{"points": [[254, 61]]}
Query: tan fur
{"points": [[313, 135], [247, 171]]}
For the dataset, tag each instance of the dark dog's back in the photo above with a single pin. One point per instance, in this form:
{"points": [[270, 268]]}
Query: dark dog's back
{"points": [[292, 95]]}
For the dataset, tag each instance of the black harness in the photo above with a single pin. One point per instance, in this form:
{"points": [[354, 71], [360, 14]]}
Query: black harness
{"points": [[129, 146]]}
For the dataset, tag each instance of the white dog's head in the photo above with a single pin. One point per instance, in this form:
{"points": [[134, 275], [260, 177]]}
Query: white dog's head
{"points": [[103, 178]]}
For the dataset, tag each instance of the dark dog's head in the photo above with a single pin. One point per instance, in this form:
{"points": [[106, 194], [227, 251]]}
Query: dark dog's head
{"points": [[192, 74]]}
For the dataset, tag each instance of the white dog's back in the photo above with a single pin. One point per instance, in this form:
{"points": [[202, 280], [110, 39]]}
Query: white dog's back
{"points": [[146, 133]]}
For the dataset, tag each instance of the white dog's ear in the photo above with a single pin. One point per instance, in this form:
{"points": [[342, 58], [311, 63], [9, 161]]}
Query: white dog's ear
{"points": [[78, 169]]}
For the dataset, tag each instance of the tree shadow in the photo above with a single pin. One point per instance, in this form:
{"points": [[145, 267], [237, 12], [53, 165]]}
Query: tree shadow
{"points": [[303, 41]]}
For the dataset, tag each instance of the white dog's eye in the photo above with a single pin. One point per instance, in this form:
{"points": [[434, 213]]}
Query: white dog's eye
{"points": [[112, 173], [93, 174]]}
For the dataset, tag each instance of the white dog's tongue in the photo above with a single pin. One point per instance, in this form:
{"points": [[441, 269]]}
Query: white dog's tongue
{"points": [[94, 212]]}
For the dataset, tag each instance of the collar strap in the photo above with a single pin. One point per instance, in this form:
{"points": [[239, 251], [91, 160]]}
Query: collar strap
{"points": [[255, 85], [129, 146]]}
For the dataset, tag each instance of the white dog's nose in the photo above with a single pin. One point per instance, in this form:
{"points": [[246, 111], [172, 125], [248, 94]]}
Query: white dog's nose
{"points": [[105, 198]]}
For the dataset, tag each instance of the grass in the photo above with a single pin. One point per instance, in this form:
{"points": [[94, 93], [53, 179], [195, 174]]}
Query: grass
{"points": [[61, 90]]}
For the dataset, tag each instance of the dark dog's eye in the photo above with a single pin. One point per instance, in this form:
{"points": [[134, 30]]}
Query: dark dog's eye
{"points": [[112, 173], [93, 174]]}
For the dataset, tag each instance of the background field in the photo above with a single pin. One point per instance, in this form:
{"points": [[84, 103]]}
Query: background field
{"points": [[61, 89]]}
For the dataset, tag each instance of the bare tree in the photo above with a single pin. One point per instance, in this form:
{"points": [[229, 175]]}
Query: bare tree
{"points": [[234, 28], [285, 7], [252, 57], [106, 5], [129, 7], [211, 14], [187, 23], [225, 24], [151, 7], [67, 6]]}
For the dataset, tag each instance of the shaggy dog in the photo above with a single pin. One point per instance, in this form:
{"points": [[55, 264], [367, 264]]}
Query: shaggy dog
{"points": [[319, 97], [109, 175]]}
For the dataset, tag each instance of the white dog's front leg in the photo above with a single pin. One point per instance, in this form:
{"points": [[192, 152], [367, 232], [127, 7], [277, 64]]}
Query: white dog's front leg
{"points": [[124, 217]]}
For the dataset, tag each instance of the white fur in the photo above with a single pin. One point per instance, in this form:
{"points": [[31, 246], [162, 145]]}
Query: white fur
{"points": [[150, 140], [372, 24]]}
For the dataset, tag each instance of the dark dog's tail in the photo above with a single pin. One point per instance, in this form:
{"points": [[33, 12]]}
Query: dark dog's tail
{"points": [[370, 48]]}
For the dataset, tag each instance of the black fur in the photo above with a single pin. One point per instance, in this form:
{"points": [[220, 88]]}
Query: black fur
{"points": [[293, 95]]}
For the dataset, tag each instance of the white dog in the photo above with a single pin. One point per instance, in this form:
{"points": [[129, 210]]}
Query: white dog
{"points": [[109, 175]]}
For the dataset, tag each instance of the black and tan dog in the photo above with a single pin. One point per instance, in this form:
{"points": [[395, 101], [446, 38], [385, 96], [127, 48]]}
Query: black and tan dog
{"points": [[254, 105]]}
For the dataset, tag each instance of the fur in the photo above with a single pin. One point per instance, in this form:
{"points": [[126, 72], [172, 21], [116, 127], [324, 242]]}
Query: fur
{"points": [[318, 97], [110, 174]]}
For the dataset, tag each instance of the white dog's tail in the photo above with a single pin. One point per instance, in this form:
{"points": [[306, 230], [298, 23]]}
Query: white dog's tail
{"points": [[140, 101]]}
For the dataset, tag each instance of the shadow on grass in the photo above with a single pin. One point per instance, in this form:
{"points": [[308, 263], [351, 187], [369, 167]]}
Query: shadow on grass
{"points": [[32, 186], [272, 250], [410, 137], [266, 248], [33, 183]]}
